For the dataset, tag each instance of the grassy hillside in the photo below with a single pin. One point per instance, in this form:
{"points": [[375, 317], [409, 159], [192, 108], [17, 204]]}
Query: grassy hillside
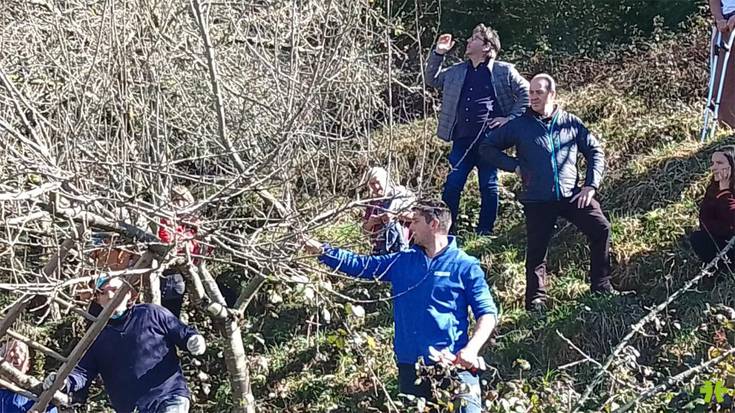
{"points": [[326, 347], [644, 104]]}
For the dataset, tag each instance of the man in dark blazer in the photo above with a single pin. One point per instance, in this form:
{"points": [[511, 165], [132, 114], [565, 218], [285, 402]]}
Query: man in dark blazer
{"points": [[478, 94]]}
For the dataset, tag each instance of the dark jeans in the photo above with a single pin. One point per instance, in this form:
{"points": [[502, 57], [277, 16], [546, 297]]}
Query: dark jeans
{"points": [[173, 287], [463, 158], [172, 291], [407, 385], [540, 220], [393, 239], [707, 247]]}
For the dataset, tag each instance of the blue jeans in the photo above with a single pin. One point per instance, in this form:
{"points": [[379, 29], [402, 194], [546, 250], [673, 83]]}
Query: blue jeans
{"points": [[466, 402], [173, 404], [395, 238], [463, 158]]}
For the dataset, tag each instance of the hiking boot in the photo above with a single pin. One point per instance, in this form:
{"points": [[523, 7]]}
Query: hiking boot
{"points": [[537, 307], [609, 290]]}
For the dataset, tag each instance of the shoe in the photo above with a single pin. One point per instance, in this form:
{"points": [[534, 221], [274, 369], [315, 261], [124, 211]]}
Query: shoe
{"points": [[609, 290], [537, 307]]}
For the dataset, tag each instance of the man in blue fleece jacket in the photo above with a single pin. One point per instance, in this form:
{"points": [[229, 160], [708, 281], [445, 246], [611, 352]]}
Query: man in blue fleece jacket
{"points": [[136, 356], [548, 140], [433, 284]]}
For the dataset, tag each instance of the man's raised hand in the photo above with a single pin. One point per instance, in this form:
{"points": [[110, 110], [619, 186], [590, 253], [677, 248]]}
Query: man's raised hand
{"points": [[50, 379], [444, 44], [312, 246]]}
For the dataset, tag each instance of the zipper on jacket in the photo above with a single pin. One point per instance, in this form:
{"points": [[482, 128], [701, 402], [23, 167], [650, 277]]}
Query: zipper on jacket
{"points": [[430, 260], [554, 165]]}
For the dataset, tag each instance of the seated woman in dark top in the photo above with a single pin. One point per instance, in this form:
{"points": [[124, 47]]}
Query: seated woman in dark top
{"points": [[717, 211]]}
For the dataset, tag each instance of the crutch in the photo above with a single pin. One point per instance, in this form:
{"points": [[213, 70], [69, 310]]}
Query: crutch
{"points": [[712, 107]]}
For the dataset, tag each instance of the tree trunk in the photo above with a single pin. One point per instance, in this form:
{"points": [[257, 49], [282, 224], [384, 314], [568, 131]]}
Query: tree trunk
{"points": [[242, 396], [235, 361]]}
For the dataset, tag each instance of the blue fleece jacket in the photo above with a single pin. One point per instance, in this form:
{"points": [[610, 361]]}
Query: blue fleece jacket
{"points": [[431, 295], [136, 357], [15, 403]]}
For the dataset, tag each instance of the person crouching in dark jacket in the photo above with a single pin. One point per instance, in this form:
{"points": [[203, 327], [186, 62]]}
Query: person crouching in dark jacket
{"points": [[717, 211], [548, 140]]}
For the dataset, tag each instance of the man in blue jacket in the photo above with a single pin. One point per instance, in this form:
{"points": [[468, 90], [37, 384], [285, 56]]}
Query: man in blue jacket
{"points": [[547, 141], [136, 356], [477, 94], [433, 284], [17, 355]]}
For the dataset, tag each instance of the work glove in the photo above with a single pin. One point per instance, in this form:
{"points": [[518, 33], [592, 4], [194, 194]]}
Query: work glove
{"points": [[49, 381], [196, 345]]}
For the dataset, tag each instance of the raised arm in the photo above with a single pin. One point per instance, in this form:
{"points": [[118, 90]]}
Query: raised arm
{"points": [[176, 332], [369, 267], [434, 74]]}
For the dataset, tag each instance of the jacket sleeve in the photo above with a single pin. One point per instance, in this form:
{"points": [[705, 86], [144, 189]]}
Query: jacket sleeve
{"points": [[478, 293], [8, 400], [519, 85], [177, 333], [726, 210], [434, 74], [83, 373], [495, 142], [593, 153], [369, 267], [729, 206]]}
